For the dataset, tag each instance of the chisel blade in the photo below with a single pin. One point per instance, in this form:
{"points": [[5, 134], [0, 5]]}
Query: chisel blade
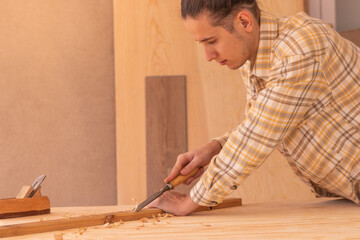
{"points": [[152, 198]]}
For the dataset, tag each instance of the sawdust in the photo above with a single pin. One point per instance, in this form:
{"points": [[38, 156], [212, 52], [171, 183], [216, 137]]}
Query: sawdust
{"points": [[82, 230], [154, 219], [113, 225], [118, 223]]}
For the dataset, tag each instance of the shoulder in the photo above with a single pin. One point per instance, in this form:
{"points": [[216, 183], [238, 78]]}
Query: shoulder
{"points": [[301, 35]]}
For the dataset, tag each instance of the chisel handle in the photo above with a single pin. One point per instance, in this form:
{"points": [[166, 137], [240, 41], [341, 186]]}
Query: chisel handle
{"points": [[182, 178]]}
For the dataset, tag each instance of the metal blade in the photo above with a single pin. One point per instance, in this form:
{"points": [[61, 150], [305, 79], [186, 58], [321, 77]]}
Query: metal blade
{"points": [[36, 184], [152, 198], [38, 181]]}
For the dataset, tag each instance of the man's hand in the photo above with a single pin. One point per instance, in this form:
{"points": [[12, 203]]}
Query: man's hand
{"points": [[200, 157], [174, 202]]}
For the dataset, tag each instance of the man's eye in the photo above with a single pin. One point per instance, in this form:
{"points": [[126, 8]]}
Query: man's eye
{"points": [[211, 42]]}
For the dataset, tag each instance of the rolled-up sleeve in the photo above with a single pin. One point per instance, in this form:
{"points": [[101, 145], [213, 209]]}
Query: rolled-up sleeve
{"points": [[294, 84]]}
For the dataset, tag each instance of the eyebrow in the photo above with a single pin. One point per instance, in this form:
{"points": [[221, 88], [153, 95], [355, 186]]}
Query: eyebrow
{"points": [[206, 39]]}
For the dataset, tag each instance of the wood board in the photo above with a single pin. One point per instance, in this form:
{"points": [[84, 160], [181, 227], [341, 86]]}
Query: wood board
{"points": [[93, 220], [166, 134]]}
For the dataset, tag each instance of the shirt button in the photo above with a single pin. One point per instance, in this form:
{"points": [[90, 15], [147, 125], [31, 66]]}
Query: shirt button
{"points": [[234, 187]]}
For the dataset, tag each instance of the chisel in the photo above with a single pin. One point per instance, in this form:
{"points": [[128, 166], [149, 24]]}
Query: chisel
{"points": [[169, 186]]}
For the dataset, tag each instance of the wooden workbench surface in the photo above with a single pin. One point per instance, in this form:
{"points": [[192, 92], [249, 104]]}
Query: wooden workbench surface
{"points": [[316, 219]]}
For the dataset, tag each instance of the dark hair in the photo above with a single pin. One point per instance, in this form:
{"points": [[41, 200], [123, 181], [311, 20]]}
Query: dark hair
{"points": [[220, 11]]}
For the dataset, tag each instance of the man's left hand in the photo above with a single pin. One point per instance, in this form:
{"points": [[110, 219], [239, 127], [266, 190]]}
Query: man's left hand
{"points": [[175, 203]]}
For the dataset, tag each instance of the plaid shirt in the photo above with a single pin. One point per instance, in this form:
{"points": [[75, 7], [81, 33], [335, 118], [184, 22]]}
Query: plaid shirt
{"points": [[304, 99]]}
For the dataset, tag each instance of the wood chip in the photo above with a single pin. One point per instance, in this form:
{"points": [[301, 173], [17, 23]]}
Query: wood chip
{"points": [[58, 236], [82, 230], [118, 223], [144, 220]]}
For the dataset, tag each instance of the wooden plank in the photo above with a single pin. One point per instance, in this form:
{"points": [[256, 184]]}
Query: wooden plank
{"points": [[93, 220], [165, 127]]}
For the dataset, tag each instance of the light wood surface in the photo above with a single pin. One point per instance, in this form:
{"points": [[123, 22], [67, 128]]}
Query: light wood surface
{"points": [[150, 39], [313, 219]]}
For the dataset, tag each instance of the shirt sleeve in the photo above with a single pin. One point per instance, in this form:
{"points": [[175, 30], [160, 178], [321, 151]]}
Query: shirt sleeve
{"points": [[222, 139], [294, 84]]}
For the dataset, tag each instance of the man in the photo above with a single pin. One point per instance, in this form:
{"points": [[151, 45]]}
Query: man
{"points": [[303, 84]]}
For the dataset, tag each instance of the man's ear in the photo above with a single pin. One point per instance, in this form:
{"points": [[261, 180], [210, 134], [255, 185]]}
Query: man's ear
{"points": [[245, 20]]}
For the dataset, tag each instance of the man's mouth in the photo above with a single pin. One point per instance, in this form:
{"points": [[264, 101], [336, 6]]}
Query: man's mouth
{"points": [[223, 62]]}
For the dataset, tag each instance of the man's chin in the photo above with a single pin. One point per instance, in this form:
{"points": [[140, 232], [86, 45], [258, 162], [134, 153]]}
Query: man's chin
{"points": [[233, 67]]}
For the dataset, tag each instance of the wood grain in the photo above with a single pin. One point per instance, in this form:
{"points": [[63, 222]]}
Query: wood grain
{"points": [[166, 134], [93, 220]]}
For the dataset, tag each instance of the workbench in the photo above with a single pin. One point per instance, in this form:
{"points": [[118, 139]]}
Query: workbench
{"points": [[314, 219]]}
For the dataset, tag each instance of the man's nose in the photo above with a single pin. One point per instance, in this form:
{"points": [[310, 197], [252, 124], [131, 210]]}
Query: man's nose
{"points": [[210, 54]]}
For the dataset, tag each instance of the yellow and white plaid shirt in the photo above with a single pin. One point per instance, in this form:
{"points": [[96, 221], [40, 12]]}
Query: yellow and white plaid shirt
{"points": [[304, 100]]}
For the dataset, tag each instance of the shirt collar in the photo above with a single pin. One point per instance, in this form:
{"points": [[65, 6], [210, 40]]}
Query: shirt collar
{"points": [[269, 31]]}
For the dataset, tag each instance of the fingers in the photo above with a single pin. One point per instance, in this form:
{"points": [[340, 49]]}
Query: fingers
{"points": [[182, 160], [189, 167], [198, 174]]}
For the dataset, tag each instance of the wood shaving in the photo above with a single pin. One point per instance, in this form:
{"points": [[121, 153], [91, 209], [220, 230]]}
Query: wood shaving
{"points": [[144, 220], [166, 215], [113, 225], [82, 230], [136, 204], [155, 219], [118, 223], [140, 226], [58, 236]]}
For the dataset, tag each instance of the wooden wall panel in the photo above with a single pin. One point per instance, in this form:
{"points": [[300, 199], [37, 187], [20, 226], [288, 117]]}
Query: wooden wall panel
{"points": [[150, 39], [166, 129]]}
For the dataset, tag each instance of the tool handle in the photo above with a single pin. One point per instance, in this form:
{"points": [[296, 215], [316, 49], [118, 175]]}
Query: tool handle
{"points": [[182, 178]]}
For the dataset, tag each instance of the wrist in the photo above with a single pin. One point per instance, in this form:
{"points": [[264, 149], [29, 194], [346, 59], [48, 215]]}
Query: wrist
{"points": [[188, 206], [215, 147]]}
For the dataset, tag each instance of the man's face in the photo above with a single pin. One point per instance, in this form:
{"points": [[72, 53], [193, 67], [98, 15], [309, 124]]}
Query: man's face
{"points": [[230, 49]]}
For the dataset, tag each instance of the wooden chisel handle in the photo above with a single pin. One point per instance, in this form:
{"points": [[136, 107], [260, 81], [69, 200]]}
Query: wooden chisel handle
{"points": [[182, 178]]}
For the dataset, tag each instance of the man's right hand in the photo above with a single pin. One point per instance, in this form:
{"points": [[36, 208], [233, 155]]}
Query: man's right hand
{"points": [[199, 157]]}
